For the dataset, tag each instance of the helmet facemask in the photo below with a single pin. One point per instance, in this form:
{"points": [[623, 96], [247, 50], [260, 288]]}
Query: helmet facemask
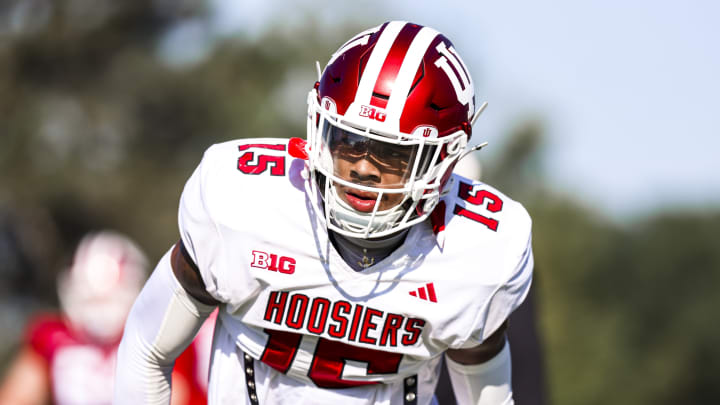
{"points": [[410, 171]]}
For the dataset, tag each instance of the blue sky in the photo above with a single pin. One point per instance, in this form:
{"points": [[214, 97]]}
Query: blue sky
{"points": [[629, 91]]}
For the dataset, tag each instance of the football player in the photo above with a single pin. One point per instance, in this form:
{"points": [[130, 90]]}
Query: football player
{"points": [[69, 357], [345, 266]]}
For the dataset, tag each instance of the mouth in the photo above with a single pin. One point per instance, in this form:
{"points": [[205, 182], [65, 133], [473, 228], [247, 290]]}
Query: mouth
{"points": [[362, 201]]}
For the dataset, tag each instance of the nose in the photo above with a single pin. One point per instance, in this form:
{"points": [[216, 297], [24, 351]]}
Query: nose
{"points": [[365, 170]]}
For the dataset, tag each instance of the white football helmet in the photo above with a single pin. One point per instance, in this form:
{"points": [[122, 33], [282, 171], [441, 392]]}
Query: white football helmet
{"points": [[400, 97], [97, 291]]}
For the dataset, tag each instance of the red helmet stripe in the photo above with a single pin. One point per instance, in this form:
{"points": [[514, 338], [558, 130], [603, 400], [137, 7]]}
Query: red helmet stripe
{"points": [[406, 75], [393, 62], [376, 61]]}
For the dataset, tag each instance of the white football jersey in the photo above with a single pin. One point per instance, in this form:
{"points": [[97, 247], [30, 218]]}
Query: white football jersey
{"points": [[306, 319]]}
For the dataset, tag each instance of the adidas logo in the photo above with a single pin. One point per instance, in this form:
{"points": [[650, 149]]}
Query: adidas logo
{"points": [[425, 293]]}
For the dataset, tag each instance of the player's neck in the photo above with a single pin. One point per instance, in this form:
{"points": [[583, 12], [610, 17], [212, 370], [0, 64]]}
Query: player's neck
{"points": [[363, 253]]}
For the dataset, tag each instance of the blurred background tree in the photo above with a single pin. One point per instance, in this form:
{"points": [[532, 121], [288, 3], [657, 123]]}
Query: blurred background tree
{"points": [[107, 106], [105, 109]]}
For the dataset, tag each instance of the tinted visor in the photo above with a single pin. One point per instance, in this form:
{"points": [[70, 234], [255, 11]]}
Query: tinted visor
{"points": [[395, 162]]}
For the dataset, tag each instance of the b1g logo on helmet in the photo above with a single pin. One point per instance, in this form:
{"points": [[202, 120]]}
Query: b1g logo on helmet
{"points": [[372, 113], [273, 262]]}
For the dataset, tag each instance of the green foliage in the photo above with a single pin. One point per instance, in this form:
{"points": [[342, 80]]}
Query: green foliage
{"points": [[94, 118], [626, 311]]}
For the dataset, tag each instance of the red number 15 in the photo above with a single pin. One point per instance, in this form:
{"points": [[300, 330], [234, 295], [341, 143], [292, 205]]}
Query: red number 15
{"points": [[248, 165], [494, 204]]}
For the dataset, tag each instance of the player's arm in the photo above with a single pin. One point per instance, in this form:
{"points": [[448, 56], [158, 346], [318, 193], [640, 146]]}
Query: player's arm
{"points": [[27, 381], [162, 323], [482, 374]]}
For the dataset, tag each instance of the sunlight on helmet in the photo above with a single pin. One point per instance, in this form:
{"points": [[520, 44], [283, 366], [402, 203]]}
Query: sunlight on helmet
{"points": [[388, 119]]}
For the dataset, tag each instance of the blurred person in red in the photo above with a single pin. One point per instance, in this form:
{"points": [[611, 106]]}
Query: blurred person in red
{"points": [[68, 357]]}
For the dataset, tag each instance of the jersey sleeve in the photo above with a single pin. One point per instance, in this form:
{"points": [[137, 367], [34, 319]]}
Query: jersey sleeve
{"points": [[507, 295], [197, 228], [202, 231]]}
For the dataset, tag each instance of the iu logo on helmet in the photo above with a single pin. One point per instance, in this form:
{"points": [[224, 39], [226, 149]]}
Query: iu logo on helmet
{"points": [[372, 113], [461, 81]]}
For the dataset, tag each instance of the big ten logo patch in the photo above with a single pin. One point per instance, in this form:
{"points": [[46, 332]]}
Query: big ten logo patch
{"points": [[273, 262]]}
